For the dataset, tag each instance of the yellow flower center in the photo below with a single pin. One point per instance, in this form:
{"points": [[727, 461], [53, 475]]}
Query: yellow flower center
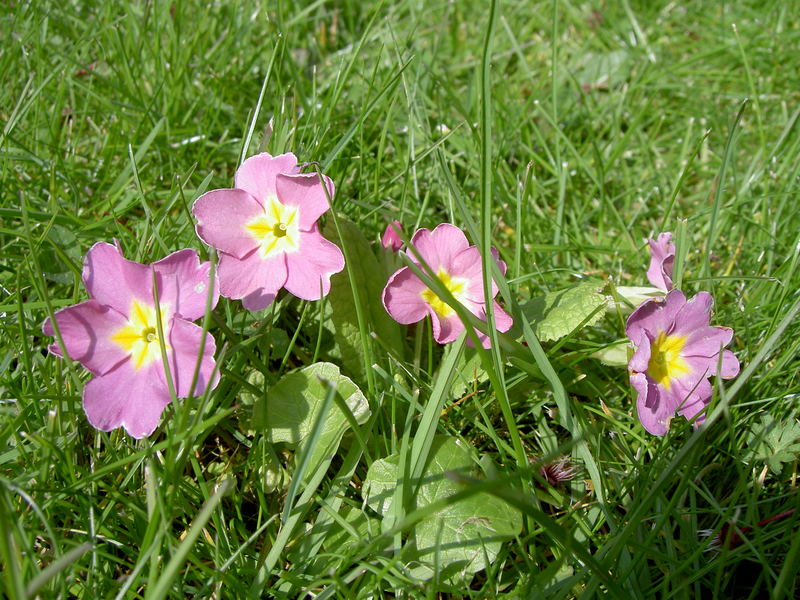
{"points": [[454, 285], [666, 362], [277, 229], [139, 337]]}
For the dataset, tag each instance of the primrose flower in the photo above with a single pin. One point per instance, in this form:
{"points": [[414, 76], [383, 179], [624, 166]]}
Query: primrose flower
{"points": [[662, 259], [676, 351], [266, 232], [115, 335], [458, 266], [391, 237]]}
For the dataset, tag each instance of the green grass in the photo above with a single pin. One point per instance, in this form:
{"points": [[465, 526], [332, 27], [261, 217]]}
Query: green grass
{"points": [[565, 136]]}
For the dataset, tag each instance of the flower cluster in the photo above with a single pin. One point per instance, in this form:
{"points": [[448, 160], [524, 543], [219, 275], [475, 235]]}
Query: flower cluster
{"points": [[676, 350], [136, 333], [457, 265], [266, 232], [135, 316]]}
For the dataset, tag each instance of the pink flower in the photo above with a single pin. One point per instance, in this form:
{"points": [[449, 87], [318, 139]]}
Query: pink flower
{"points": [[114, 335], [662, 258], [391, 237], [458, 266], [265, 229], [676, 351]]}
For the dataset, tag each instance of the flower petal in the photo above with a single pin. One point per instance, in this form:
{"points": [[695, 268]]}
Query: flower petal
{"points": [[254, 279], [707, 341], [440, 246], [445, 329], [258, 300], [185, 340], [114, 280], [468, 264], [655, 315], [188, 296], [500, 263], [699, 367], [402, 297], [310, 269], [127, 398], [307, 194], [641, 355], [221, 216], [662, 258], [690, 398], [391, 237], [654, 410], [502, 320], [694, 315], [730, 365], [258, 173], [86, 329]]}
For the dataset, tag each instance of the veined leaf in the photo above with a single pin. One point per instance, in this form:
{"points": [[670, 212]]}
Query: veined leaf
{"points": [[458, 540], [559, 313], [291, 407]]}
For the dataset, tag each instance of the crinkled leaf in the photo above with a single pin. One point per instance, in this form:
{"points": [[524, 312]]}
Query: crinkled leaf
{"points": [[290, 408], [464, 535], [559, 313], [457, 540], [369, 278]]}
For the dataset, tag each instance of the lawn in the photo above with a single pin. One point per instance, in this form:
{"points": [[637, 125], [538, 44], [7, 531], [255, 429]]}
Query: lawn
{"points": [[319, 441]]}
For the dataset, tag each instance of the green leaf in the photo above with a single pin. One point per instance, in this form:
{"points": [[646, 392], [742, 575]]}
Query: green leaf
{"points": [[559, 313], [369, 279], [469, 373], [604, 70], [775, 443], [291, 407], [614, 355], [379, 485], [631, 297], [350, 531], [458, 540], [60, 260]]}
